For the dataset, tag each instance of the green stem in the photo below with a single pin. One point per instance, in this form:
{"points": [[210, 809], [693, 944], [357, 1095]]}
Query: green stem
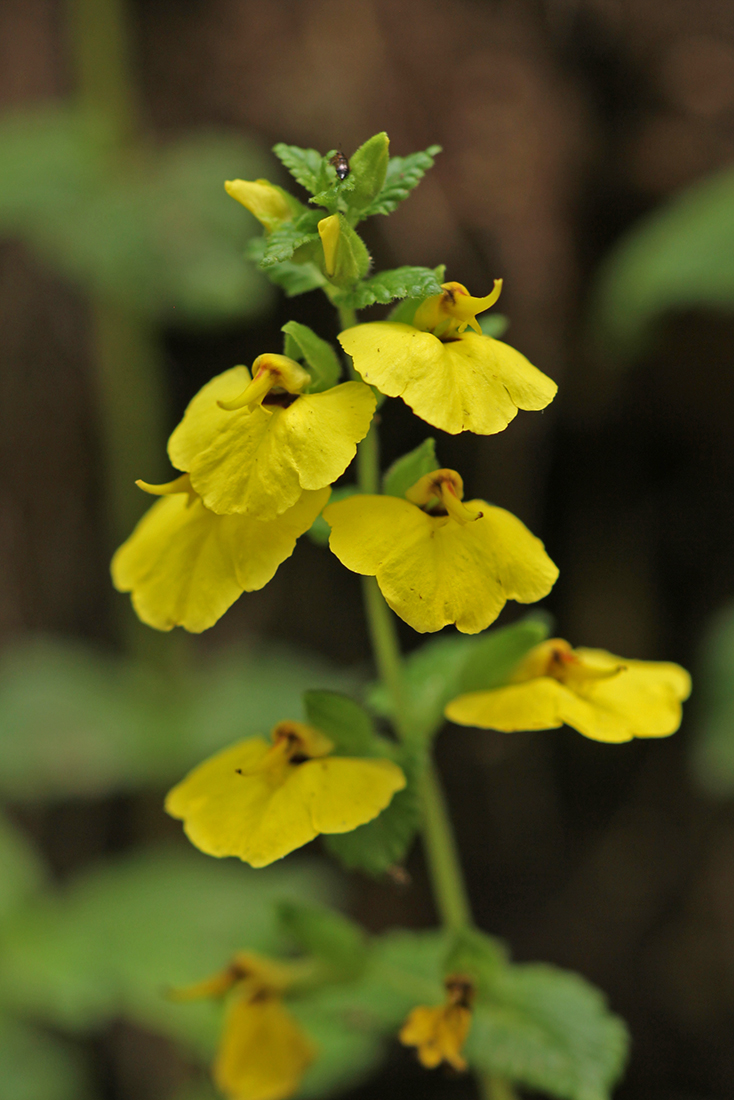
{"points": [[444, 865], [442, 855]]}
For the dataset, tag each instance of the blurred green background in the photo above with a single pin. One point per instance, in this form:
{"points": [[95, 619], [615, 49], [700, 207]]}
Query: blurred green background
{"points": [[589, 161]]}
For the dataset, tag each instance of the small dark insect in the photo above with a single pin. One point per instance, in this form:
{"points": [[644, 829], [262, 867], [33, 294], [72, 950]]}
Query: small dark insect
{"points": [[341, 164]]}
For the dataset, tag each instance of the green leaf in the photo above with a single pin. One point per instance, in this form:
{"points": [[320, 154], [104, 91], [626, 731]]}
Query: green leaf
{"points": [[495, 654], [477, 955], [319, 531], [23, 873], [368, 167], [384, 842], [550, 1030], [403, 174], [307, 166], [301, 343], [679, 257], [494, 324], [405, 471], [328, 935], [283, 242], [119, 937], [713, 740], [533, 1024], [345, 723], [402, 282], [38, 1066], [294, 276], [445, 667]]}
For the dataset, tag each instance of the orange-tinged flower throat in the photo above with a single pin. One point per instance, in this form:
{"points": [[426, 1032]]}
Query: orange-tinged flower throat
{"points": [[450, 313], [442, 490], [270, 372], [556, 659]]}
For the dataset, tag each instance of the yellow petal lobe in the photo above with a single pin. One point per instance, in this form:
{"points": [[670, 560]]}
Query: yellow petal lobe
{"points": [[604, 697], [185, 566], [259, 459], [470, 383], [434, 571], [263, 1052], [251, 801]]}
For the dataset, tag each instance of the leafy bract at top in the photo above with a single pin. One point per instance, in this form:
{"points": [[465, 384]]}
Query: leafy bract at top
{"points": [[307, 166], [403, 174]]}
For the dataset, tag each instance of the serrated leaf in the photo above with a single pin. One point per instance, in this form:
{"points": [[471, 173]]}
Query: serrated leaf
{"points": [[368, 171], [680, 256], [548, 1029], [443, 668], [294, 277], [403, 174], [283, 242], [401, 282], [345, 723], [305, 165], [494, 325], [533, 1024], [302, 343], [384, 842], [326, 934], [407, 469]]}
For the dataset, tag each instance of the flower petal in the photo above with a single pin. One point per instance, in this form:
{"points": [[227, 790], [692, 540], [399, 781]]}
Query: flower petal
{"points": [[344, 792], [644, 700], [433, 571], [231, 806], [259, 460], [539, 704], [185, 566], [263, 1053], [472, 383]]}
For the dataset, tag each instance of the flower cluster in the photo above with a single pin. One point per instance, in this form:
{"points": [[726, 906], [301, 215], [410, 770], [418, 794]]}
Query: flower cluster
{"points": [[257, 454]]}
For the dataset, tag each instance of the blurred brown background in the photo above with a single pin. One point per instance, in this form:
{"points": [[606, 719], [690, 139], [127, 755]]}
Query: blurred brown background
{"points": [[562, 122]]}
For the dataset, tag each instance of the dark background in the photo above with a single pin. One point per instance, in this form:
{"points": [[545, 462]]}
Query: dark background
{"points": [[562, 123]]}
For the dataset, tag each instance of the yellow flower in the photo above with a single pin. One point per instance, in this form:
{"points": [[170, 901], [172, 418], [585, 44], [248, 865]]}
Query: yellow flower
{"points": [[260, 801], [256, 453], [271, 205], [185, 566], [604, 697], [440, 1032], [438, 560], [456, 380], [263, 1053]]}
